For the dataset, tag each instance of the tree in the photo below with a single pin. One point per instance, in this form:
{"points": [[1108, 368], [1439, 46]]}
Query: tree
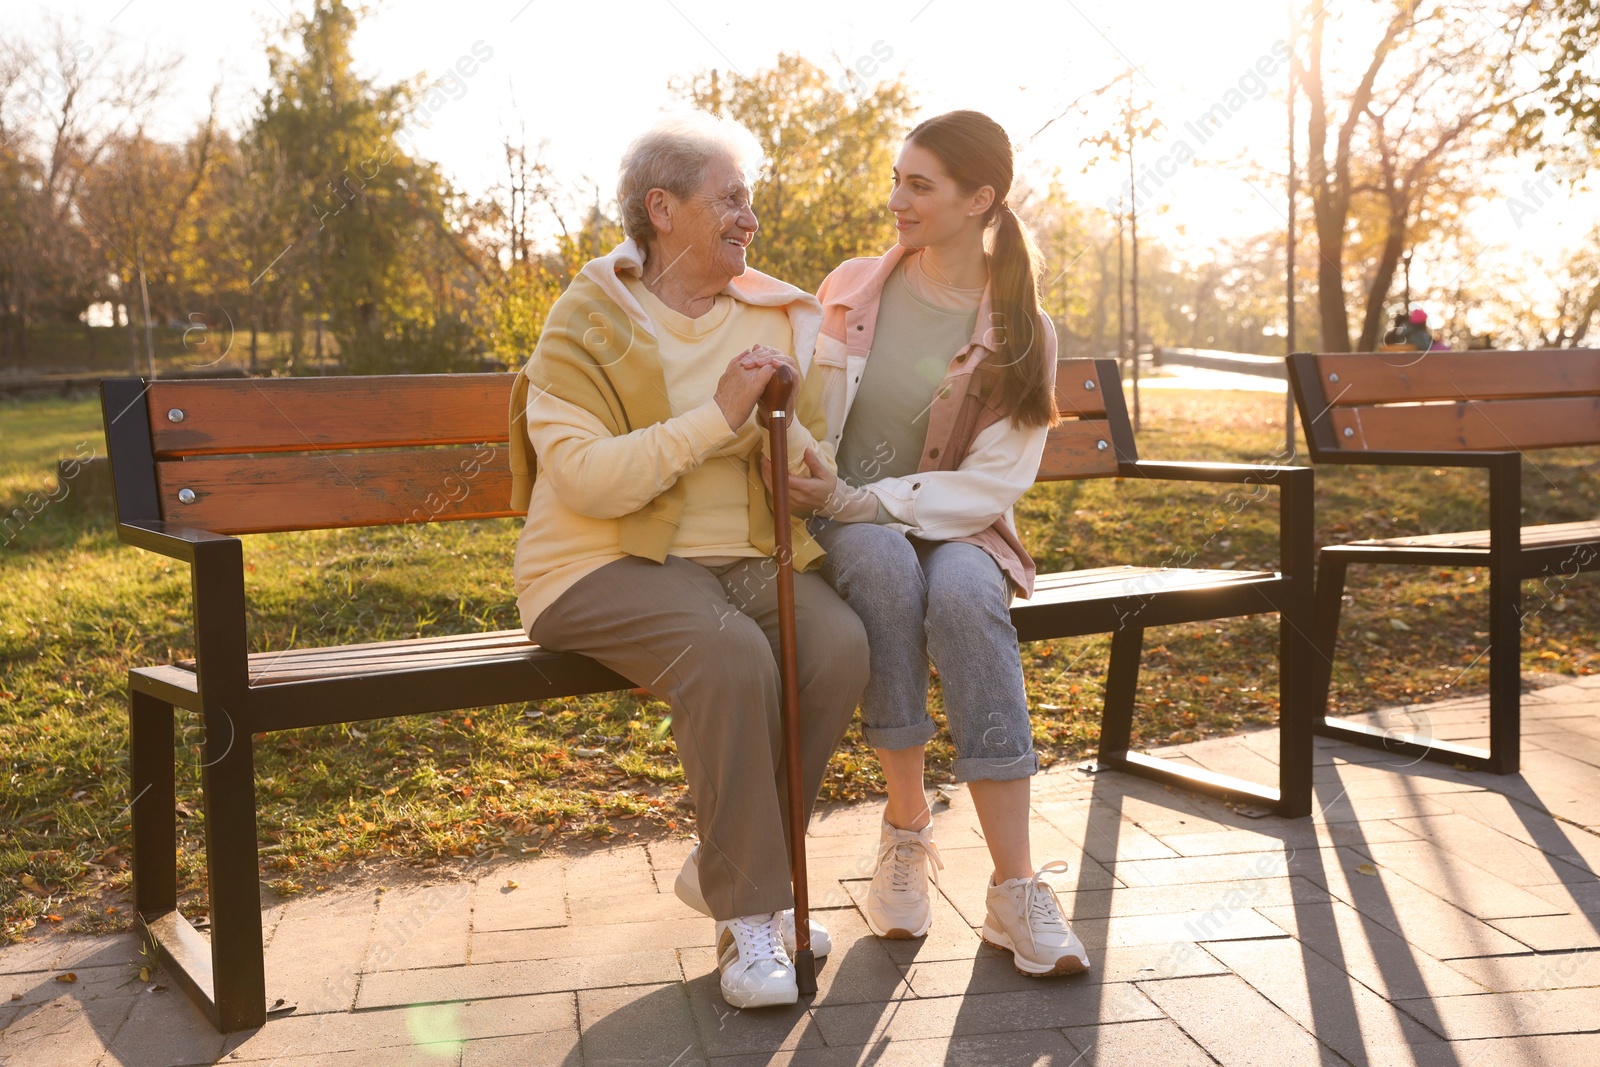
{"points": [[375, 257], [830, 155], [249, 222], [1424, 106], [1571, 78], [62, 106]]}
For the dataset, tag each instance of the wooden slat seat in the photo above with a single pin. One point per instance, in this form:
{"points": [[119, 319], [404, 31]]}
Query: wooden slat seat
{"points": [[197, 463], [1556, 533], [1453, 409]]}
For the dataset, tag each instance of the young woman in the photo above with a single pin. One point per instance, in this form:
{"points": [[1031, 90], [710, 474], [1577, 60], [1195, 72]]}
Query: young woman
{"points": [[939, 372]]}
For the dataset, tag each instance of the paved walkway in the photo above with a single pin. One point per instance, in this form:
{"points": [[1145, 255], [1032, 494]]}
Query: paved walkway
{"points": [[1424, 915]]}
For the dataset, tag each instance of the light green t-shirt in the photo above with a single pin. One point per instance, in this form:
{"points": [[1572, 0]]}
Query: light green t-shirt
{"points": [[912, 346]]}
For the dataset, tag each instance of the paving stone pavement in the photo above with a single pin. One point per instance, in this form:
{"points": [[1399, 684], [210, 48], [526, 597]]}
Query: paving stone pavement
{"points": [[1423, 915]]}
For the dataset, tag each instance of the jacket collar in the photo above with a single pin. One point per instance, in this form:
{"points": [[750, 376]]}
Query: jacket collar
{"points": [[868, 290], [751, 287]]}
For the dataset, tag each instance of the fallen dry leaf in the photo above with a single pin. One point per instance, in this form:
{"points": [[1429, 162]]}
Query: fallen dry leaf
{"points": [[511, 883], [68, 977], [1367, 868]]}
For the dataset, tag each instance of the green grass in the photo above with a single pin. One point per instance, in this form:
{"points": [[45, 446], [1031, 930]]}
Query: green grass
{"points": [[77, 610]]}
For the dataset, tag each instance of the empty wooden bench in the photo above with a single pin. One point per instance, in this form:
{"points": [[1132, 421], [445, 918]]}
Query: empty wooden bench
{"points": [[197, 463], [1453, 409]]}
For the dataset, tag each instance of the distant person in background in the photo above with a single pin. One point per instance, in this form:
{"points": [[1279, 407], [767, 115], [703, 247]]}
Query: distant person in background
{"points": [[1417, 332], [1397, 335]]}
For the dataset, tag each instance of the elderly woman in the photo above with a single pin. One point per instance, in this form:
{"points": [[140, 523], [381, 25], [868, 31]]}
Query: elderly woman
{"points": [[649, 539]]}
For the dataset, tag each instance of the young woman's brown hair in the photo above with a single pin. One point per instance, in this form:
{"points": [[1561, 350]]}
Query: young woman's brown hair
{"points": [[976, 152]]}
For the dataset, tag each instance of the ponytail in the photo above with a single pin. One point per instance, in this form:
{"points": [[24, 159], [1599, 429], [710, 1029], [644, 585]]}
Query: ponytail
{"points": [[976, 152], [1014, 291]]}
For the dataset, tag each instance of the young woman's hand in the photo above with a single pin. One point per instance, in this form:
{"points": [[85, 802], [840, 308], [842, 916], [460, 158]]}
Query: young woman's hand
{"points": [[821, 492], [809, 495]]}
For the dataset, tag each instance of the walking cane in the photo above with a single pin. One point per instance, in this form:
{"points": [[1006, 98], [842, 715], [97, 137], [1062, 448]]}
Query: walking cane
{"points": [[777, 403]]}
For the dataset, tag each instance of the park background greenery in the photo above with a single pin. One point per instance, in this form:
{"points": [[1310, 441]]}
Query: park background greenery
{"points": [[309, 241]]}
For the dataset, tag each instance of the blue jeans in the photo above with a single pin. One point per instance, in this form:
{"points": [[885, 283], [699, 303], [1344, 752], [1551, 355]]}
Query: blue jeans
{"points": [[949, 603]]}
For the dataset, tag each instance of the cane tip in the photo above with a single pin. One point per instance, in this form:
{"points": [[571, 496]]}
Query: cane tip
{"points": [[805, 972]]}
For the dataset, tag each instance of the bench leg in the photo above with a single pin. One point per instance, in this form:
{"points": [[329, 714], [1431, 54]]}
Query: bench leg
{"points": [[1325, 630], [1122, 685], [1505, 670], [238, 962], [153, 803], [1504, 682], [1297, 710]]}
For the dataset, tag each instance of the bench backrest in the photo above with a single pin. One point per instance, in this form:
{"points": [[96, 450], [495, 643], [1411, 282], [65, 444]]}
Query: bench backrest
{"points": [[1094, 432], [265, 455], [271, 454], [1495, 401]]}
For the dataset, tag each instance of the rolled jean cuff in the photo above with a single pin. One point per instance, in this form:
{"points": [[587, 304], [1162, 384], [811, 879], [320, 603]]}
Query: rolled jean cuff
{"points": [[996, 768], [894, 738]]}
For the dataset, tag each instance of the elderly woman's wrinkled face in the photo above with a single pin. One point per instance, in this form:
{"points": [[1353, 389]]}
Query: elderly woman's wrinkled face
{"points": [[712, 227]]}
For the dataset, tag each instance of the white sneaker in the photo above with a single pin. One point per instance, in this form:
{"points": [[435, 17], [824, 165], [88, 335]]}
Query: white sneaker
{"points": [[687, 888], [756, 971], [898, 905], [1024, 916]]}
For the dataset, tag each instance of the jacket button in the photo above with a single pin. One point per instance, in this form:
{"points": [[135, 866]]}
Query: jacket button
{"points": [[944, 394], [916, 485], [962, 358], [934, 454], [861, 326]]}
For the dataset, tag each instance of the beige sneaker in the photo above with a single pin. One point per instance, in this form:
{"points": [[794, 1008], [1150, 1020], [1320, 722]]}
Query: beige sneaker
{"points": [[898, 905], [1024, 916]]}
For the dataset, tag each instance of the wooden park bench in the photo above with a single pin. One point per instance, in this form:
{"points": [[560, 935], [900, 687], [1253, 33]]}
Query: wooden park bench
{"points": [[1453, 409], [197, 463]]}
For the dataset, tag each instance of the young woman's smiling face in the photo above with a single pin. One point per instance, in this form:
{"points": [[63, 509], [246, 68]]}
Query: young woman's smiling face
{"points": [[928, 207]]}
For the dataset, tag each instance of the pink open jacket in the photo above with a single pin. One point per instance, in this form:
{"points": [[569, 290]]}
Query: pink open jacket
{"points": [[975, 463]]}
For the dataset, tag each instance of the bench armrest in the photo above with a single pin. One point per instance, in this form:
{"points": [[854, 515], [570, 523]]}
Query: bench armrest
{"points": [[1170, 470], [1296, 522], [179, 542], [216, 572], [1416, 459]]}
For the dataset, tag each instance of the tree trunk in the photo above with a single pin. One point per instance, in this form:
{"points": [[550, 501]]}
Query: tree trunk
{"points": [[1372, 326], [1329, 204]]}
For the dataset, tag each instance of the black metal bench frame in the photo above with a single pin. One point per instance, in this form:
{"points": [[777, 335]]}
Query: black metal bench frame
{"points": [[224, 973], [1508, 560]]}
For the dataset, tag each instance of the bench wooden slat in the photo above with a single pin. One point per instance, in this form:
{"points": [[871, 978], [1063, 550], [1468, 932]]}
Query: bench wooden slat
{"points": [[1555, 533], [306, 414], [1394, 377], [1079, 391], [1141, 581], [440, 642], [263, 494], [1080, 449], [1489, 425], [390, 665]]}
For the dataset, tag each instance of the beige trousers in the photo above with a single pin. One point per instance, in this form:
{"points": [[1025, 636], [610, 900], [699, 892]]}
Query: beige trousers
{"points": [[705, 640]]}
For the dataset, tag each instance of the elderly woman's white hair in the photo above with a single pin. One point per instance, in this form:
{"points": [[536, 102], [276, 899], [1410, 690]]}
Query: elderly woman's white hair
{"points": [[673, 155]]}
